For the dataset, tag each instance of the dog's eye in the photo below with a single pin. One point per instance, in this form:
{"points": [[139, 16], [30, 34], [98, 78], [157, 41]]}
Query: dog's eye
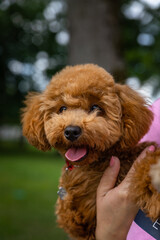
{"points": [[63, 108], [95, 107]]}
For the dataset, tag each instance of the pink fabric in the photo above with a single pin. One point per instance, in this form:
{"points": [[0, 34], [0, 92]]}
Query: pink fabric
{"points": [[137, 233], [154, 132]]}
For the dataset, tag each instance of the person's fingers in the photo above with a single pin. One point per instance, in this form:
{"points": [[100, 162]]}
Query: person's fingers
{"points": [[126, 181], [109, 177]]}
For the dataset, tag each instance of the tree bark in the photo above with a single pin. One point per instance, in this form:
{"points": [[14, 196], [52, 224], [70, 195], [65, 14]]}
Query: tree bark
{"points": [[95, 35]]}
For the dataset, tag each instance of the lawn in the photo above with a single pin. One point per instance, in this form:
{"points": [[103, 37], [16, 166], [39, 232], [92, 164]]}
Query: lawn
{"points": [[28, 193]]}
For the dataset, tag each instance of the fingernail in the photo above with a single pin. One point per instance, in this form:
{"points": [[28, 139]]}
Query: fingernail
{"points": [[151, 148], [112, 161]]}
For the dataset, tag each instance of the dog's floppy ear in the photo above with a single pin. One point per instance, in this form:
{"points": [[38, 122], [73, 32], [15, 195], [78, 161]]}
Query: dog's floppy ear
{"points": [[136, 117], [33, 122]]}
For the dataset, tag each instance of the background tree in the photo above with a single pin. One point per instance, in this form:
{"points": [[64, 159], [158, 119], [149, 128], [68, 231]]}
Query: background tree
{"points": [[95, 28]]}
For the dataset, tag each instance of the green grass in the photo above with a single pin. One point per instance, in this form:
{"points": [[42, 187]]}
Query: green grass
{"points": [[28, 193]]}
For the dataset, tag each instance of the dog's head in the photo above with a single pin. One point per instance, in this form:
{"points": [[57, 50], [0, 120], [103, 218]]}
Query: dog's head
{"points": [[83, 113]]}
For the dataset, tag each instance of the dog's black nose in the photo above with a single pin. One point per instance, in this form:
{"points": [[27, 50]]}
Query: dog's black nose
{"points": [[72, 132]]}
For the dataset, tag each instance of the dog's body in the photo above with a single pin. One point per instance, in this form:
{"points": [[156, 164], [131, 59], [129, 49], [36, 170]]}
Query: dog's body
{"points": [[88, 119], [77, 211]]}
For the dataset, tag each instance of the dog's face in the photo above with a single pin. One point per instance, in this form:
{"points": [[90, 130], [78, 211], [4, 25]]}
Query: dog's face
{"points": [[83, 113]]}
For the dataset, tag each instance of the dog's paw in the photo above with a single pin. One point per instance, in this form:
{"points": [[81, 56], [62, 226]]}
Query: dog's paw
{"points": [[155, 175]]}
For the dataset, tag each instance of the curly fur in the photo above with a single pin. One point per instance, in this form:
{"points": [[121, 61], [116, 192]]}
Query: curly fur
{"points": [[114, 129]]}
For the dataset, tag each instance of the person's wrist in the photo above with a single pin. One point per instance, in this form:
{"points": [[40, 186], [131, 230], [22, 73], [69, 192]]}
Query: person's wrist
{"points": [[110, 237], [101, 233]]}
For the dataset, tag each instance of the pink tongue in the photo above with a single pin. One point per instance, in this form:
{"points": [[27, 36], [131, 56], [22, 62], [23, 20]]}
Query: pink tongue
{"points": [[75, 154]]}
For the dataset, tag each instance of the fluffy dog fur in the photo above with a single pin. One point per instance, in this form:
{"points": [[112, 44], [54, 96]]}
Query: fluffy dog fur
{"points": [[112, 118]]}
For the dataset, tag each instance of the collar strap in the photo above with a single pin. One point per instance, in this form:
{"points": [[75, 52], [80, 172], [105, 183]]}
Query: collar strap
{"points": [[69, 166]]}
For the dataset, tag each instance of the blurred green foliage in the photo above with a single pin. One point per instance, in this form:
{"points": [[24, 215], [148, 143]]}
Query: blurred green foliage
{"points": [[28, 29], [141, 40], [28, 190]]}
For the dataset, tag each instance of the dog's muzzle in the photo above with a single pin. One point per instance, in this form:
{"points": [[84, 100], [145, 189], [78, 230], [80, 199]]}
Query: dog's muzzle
{"points": [[72, 133]]}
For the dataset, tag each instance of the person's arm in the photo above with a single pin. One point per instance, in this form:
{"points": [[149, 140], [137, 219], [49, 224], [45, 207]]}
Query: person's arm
{"points": [[115, 210]]}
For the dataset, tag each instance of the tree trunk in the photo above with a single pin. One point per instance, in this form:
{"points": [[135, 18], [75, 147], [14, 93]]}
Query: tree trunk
{"points": [[95, 35]]}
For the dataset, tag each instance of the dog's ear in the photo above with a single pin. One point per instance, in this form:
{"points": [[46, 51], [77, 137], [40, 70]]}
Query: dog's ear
{"points": [[136, 116], [33, 122]]}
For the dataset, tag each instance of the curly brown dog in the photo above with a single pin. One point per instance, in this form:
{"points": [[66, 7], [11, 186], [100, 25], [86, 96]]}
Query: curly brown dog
{"points": [[89, 118]]}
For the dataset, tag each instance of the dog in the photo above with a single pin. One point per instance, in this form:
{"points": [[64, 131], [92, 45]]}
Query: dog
{"points": [[89, 118]]}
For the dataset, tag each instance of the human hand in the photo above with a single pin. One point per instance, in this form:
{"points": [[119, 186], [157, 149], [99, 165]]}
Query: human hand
{"points": [[115, 209]]}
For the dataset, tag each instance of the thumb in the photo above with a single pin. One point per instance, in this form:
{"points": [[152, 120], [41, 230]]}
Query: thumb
{"points": [[109, 177]]}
